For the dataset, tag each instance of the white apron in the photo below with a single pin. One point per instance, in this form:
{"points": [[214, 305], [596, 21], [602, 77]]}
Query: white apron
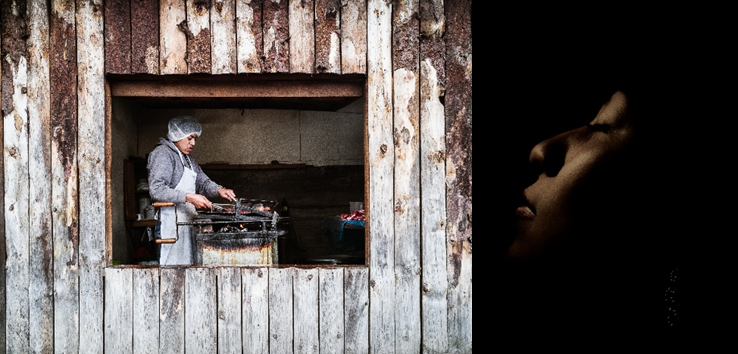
{"points": [[181, 252]]}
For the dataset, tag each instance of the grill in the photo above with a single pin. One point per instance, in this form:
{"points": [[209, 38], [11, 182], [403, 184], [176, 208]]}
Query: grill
{"points": [[242, 233]]}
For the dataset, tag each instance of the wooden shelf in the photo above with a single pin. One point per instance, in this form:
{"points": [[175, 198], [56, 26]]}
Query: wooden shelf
{"points": [[141, 223]]}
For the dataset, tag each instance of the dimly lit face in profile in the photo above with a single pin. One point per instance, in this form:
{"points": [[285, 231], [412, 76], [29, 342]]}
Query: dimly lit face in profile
{"points": [[582, 186], [187, 144]]}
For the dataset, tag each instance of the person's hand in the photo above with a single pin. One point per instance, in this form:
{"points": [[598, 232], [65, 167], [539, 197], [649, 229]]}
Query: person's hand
{"points": [[199, 201], [227, 194]]}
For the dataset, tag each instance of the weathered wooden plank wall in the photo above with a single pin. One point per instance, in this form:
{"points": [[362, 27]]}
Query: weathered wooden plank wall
{"points": [[59, 295]]}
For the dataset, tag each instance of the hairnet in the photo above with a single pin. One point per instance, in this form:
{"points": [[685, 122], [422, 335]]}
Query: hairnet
{"points": [[183, 126]]}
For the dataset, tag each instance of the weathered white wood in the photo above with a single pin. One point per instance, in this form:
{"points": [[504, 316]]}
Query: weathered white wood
{"points": [[198, 37], [91, 147], [145, 310], [407, 176], [41, 287], [353, 36], [172, 41], [201, 303], [65, 181], [248, 36], [331, 310], [118, 310], [280, 310], [255, 310], [306, 311], [223, 36], [172, 310], [302, 36], [3, 253], [381, 156], [16, 207], [229, 310], [356, 310], [433, 170]]}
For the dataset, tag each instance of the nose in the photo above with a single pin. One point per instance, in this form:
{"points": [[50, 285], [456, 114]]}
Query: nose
{"points": [[548, 156]]}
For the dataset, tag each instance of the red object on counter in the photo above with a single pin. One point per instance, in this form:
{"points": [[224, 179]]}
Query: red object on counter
{"points": [[355, 215]]}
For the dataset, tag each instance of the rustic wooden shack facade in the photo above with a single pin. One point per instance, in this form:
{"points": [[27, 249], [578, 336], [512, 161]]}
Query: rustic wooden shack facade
{"points": [[60, 290]]}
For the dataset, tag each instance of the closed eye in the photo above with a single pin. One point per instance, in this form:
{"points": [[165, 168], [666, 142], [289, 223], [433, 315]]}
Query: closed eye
{"points": [[604, 128]]}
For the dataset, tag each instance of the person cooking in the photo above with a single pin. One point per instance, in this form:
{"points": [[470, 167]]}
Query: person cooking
{"points": [[174, 176]]}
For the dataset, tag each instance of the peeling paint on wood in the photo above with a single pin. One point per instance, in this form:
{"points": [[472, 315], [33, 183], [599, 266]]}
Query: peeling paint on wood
{"points": [[197, 30], [255, 310], [118, 36], [172, 41], [356, 310], [144, 36], [301, 36], [14, 30], [405, 52], [249, 35], [172, 310], [91, 143], [353, 36], [328, 36], [381, 159], [459, 172], [433, 200], [63, 84], [223, 41], [276, 37], [41, 288]]}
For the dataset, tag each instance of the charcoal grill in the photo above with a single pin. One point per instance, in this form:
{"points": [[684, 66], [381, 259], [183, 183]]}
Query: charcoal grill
{"points": [[242, 233]]}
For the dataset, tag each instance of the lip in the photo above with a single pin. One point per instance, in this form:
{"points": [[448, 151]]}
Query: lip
{"points": [[526, 210]]}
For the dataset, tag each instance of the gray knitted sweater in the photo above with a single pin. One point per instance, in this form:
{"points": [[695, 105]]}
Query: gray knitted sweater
{"points": [[165, 171]]}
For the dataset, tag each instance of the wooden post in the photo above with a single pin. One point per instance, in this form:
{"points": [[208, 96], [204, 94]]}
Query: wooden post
{"points": [[41, 288], [381, 159], [92, 194], [459, 173], [407, 130], [63, 83], [16, 175], [433, 170]]}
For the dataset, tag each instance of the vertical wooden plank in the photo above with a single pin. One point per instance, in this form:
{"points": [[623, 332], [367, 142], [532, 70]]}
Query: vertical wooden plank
{"points": [[356, 313], [171, 310], [64, 175], [145, 310], [405, 53], [381, 156], [108, 176], [433, 170], [301, 36], [328, 36], [276, 35], [117, 36], [281, 310], [458, 112], [145, 37], [15, 158], [3, 253], [118, 310], [91, 145], [197, 29], [353, 36], [172, 41], [229, 310], [306, 311], [201, 301], [41, 287], [331, 310], [223, 40], [249, 27], [255, 315]]}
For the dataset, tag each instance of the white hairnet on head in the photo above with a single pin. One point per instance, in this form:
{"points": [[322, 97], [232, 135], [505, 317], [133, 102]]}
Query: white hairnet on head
{"points": [[181, 127]]}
